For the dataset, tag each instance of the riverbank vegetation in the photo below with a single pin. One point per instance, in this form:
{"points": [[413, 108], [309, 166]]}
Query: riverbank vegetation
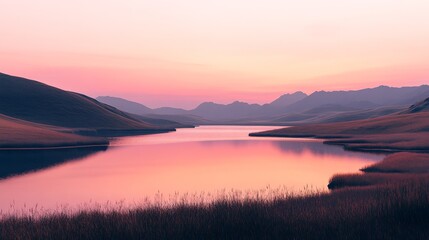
{"points": [[397, 210]]}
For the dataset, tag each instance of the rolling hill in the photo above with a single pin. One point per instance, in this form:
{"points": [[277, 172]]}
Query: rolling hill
{"points": [[397, 123], [138, 108], [406, 131], [313, 116], [36, 102], [15, 133]]}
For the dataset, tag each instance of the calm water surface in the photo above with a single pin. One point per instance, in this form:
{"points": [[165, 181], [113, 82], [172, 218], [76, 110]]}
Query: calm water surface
{"points": [[206, 159]]}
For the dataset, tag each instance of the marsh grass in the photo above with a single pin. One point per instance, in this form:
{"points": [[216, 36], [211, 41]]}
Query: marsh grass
{"points": [[160, 200], [390, 211], [395, 168]]}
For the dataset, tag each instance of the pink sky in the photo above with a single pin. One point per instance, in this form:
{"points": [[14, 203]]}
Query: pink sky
{"points": [[180, 53]]}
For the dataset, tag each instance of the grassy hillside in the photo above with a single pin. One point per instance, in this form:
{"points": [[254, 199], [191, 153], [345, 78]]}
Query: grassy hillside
{"points": [[398, 123], [36, 102], [395, 168], [16, 133], [405, 131]]}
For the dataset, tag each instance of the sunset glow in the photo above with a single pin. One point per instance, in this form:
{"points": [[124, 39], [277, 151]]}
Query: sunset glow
{"points": [[181, 53]]}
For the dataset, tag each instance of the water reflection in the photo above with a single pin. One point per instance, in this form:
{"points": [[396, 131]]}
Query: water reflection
{"points": [[16, 162], [206, 159], [300, 147]]}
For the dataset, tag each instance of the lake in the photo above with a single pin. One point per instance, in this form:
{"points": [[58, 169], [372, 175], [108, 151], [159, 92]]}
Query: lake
{"points": [[209, 159]]}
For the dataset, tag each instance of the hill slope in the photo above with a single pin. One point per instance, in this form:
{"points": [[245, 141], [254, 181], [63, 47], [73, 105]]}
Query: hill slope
{"points": [[37, 102], [405, 123], [125, 105], [395, 132], [422, 106], [15, 133]]}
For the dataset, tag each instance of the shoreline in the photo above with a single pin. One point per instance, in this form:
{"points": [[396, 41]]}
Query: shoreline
{"points": [[383, 204], [122, 132], [374, 175], [98, 138], [348, 142], [54, 147]]}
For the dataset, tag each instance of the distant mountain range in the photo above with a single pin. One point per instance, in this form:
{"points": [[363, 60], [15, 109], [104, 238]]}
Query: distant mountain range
{"points": [[362, 99], [290, 109], [209, 110]]}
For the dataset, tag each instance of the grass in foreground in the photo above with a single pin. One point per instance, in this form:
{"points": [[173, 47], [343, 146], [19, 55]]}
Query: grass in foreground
{"points": [[391, 211]]}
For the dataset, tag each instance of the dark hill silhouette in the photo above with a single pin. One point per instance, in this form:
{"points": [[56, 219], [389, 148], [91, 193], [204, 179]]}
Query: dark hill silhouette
{"points": [[37, 102]]}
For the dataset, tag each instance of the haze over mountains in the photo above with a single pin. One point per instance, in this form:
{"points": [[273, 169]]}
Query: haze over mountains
{"points": [[209, 110], [289, 109]]}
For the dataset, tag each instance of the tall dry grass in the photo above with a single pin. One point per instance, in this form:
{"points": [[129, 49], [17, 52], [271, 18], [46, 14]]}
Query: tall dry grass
{"points": [[391, 211]]}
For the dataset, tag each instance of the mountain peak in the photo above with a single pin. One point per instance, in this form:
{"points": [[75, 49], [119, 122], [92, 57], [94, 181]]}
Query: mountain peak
{"points": [[383, 87], [288, 99]]}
